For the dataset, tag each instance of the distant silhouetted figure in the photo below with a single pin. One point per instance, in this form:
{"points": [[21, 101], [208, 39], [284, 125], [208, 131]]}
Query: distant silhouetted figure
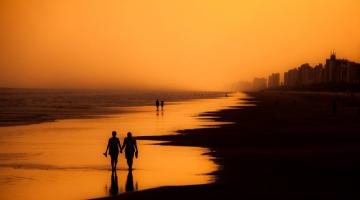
{"points": [[334, 105], [294, 102], [276, 103], [157, 104], [113, 147], [130, 149], [114, 188], [162, 104], [129, 187], [352, 99]]}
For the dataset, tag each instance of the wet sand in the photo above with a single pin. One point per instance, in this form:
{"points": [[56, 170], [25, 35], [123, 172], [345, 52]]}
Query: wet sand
{"points": [[63, 159], [289, 146]]}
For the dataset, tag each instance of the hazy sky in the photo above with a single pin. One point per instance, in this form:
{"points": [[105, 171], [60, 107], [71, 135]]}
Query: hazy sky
{"points": [[189, 44]]}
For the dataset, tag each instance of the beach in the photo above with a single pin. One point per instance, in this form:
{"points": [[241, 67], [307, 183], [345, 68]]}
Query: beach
{"points": [[63, 158], [179, 100], [273, 144], [291, 145]]}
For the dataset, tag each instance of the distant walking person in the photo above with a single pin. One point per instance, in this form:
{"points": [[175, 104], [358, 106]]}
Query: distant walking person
{"points": [[162, 104], [157, 103], [113, 147], [130, 149], [334, 105]]}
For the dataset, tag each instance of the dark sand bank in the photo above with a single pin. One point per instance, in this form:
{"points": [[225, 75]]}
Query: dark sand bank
{"points": [[289, 146]]}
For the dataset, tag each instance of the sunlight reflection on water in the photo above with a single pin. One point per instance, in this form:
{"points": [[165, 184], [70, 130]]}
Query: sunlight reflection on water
{"points": [[63, 159]]}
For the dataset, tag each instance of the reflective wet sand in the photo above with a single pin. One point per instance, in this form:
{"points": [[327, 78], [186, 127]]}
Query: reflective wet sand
{"points": [[63, 159]]}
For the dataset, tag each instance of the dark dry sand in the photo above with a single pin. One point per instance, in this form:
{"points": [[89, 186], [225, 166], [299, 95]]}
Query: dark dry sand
{"points": [[289, 146]]}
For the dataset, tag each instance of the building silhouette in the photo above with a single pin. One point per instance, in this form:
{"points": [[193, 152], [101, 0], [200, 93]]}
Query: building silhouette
{"points": [[334, 71], [274, 80]]}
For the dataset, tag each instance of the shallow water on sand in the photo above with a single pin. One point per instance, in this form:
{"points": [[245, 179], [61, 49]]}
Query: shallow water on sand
{"points": [[63, 159]]}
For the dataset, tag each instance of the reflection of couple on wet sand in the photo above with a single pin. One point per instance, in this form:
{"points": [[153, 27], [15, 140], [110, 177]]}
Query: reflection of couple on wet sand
{"points": [[114, 187], [114, 147]]}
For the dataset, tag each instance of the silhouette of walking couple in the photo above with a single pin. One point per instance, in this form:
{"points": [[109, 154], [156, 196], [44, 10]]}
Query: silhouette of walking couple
{"points": [[114, 147], [159, 103]]}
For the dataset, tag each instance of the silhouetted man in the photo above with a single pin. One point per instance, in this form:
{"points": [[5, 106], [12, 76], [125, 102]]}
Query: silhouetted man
{"points": [[113, 147], [157, 103], [130, 149]]}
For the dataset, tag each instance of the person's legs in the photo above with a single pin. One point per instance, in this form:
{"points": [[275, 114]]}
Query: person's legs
{"points": [[129, 158], [129, 162], [115, 163], [114, 159], [112, 163]]}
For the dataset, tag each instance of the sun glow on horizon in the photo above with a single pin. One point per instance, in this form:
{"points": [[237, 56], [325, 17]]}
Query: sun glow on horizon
{"points": [[191, 44]]}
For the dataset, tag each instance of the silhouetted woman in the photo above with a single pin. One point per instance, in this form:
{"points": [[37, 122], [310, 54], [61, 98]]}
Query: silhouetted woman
{"points": [[113, 147], [157, 104], [130, 149]]}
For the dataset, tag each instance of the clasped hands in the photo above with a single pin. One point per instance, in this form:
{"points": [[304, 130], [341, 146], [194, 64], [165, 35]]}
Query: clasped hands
{"points": [[105, 154]]}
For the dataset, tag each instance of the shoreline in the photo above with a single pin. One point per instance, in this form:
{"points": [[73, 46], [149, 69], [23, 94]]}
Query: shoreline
{"points": [[290, 145], [52, 154], [33, 106]]}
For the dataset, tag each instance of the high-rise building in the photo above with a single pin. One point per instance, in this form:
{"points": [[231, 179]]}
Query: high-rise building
{"points": [[319, 74], [291, 78], [335, 71], [306, 74], [353, 73], [274, 80]]}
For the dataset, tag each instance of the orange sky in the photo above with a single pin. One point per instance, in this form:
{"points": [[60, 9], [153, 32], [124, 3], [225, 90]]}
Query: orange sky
{"points": [[188, 44]]}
